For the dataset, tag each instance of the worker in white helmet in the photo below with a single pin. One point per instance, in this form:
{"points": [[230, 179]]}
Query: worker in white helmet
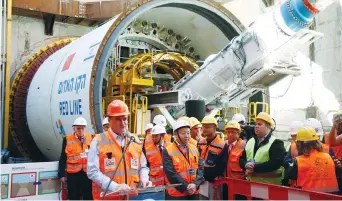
{"points": [[154, 155], [182, 165], [147, 138], [105, 124], [72, 167], [159, 120]]}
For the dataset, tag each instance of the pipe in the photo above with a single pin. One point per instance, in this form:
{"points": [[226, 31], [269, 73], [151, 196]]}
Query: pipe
{"points": [[8, 70], [1, 74]]}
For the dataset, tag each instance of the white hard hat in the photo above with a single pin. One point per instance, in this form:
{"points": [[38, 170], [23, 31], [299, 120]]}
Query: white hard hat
{"points": [[148, 126], [158, 129], [315, 124], [239, 117], [80, 121], [105, 121], [159, 120], [180, 124], [295, 126]]}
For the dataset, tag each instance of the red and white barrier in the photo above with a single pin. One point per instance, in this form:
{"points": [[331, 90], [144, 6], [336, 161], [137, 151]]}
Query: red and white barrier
{"points": [[270, 191]]}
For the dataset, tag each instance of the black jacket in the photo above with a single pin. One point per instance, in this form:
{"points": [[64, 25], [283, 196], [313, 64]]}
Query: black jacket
{"points": [[220, 161], [62, 161], [276, 153], [174, 177]]}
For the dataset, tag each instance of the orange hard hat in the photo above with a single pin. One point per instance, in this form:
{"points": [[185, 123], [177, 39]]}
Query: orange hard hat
{"points": [[117, 108]]}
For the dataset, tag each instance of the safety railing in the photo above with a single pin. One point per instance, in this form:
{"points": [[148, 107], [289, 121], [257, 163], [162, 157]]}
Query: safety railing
{"points": [[269, 191], [253, 110]]}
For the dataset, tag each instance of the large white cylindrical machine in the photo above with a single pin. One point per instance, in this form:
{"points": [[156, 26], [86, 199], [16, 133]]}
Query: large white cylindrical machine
{"points": [[64, 80]]}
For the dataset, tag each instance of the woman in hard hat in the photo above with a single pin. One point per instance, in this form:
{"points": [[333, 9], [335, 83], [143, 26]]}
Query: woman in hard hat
{"points": [[72, 166], [182, 165], [154, 155], [264, 154], [312, 169]]}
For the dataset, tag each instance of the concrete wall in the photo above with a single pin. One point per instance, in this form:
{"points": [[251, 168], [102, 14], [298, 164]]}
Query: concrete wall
{"points": [[28, 36]]}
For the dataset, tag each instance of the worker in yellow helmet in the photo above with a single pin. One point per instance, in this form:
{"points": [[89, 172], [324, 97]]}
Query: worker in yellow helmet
{"points": [[312, 169], [188, 121], [264, 154], [214, 152], [196, 129]]}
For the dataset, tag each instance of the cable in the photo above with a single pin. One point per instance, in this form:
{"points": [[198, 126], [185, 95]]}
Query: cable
{"points": [[280, 95]]}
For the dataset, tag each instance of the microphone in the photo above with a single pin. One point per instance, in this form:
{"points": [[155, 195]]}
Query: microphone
{"points": [[132, 137]]}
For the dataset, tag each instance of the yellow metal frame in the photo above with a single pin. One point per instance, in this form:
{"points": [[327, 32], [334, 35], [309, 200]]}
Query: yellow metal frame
{"points": [[135, 108], [8, 70], [252, 110]]}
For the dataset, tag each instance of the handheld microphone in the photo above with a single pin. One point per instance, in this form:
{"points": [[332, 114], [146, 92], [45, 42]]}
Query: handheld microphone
{"points": [[132, 137]]}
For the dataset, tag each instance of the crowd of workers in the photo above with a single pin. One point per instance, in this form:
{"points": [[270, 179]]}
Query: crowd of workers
{"points": [[191, 158]]}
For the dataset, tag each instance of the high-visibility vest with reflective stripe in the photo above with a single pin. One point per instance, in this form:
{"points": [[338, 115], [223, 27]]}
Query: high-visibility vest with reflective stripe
{"points": [[215, 146], [184, 168], [316, 172], [73, 151], [154, 157], [193, 141], [294, 152], [233, 168], [148, 140], [128, 170], [261, 156]]}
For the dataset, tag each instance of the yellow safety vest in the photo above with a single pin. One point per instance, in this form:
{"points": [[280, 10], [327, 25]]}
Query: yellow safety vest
{"points": [[261, 156]]}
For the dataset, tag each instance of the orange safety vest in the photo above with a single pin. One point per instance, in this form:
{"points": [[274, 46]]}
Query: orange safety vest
{"points": [[76, 153], [110, 153], [216, 146], [316, 172], [193, 141], [233, 169], [148, 139], [186, 166], [294, 151], [336, 149], [154, 157]]}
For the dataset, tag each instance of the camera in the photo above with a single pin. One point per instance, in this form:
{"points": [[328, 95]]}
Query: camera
{"points": [[247, 131]]}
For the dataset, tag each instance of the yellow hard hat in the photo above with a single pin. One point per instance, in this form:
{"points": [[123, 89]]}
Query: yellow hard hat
{"points": [[185, 118], [194, 121], [209, 120], [266, 117], [305, 134], [233, 124]]}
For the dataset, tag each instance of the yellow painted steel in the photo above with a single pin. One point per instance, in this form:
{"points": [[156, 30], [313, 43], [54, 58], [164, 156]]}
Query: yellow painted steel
{"points": [[253, 110], [8, 70]]}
